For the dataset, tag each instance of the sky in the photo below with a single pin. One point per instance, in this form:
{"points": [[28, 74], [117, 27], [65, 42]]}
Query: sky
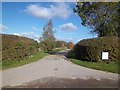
{"points": [[28, 19]]}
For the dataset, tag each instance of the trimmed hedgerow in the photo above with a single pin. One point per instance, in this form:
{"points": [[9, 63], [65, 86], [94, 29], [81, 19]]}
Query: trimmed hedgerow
{"points": [[91, 49], [17, 48]]}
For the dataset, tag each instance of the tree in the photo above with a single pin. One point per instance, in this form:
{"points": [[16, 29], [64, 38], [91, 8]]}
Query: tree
{"points": [[102, 17], [48, 32], [70, 45], [61, 44], [47, 40]]}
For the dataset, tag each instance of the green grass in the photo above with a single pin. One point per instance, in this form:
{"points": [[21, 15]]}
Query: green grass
{"points": [[14, 63], [110, 67], [0, 65]]}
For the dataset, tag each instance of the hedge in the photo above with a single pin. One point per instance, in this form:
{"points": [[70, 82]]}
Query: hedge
{"points": [[91, 49], [17, 48]]}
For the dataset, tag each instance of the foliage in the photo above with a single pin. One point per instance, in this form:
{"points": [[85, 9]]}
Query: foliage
{"points": [[110, 67], [14, 63], [102, 17], [15, 47], [71, 54], [47, 45], [47, 40], [70, 45], [60, 44], [56, 50], [91, 49]]}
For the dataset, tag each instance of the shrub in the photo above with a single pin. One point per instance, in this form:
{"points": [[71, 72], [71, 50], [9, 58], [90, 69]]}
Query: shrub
{"points": [[71, 54], [47, 45], [91, 49], [60, 44], [17, 48]]}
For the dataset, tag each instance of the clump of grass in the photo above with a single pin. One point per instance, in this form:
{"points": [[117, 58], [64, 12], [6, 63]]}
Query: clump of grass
{"points": [[110, 67], [14, 63]]}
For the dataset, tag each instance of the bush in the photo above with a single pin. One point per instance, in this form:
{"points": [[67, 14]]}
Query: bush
{"points": [[47, 45], [60, 44], [91, 49], [71, 54], [17, 48]]}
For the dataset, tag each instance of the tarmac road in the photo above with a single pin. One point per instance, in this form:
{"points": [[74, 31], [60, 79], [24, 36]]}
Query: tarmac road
{"points": [[56, 71]]}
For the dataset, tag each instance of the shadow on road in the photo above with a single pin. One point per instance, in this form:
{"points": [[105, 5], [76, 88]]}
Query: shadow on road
{"points": [[53, 82]]}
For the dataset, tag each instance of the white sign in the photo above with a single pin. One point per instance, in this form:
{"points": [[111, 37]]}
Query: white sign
{"points": [[105, 55]]}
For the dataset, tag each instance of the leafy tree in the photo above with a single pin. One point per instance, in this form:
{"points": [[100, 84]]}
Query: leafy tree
{"points": [[47, 40], [61, 44], [48, 32], [102, 17], [70, 45]]}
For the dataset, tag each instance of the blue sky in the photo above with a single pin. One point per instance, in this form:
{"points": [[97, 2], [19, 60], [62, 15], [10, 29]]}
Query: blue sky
{"points": [[28, 19]]}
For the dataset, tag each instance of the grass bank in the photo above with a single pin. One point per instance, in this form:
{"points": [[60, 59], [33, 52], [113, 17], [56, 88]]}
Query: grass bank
{"points": [[14, 63], [110, 67]]}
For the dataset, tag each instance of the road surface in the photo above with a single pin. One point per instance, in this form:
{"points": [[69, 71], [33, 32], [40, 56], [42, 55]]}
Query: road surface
{"points": [[56, 71]]}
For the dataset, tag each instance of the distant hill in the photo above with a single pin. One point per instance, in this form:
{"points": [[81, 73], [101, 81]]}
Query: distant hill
{"points": [[16, 47]]}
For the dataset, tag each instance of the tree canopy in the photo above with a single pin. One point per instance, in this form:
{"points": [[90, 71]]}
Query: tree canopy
{"points": [[47, 40], [48, 32], [102, 17], [70, 45]]}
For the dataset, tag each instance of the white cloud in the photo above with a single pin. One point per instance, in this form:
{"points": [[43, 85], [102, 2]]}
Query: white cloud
{"points": [[29, 35], [68, 26], [57, 10], [16, 34], [34, 28], [3, 27], [69, 39], [65, 39]]}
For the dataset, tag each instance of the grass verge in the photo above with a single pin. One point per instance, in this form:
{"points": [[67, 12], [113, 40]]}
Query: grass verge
{"points": [[14, 63], [110, 67]]}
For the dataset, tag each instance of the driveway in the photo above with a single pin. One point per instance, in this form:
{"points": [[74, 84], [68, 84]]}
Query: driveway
{"points": [[56, 71]]}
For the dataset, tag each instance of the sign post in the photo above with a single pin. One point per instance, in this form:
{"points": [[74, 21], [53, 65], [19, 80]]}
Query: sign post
{"points": [[105, 56]]}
